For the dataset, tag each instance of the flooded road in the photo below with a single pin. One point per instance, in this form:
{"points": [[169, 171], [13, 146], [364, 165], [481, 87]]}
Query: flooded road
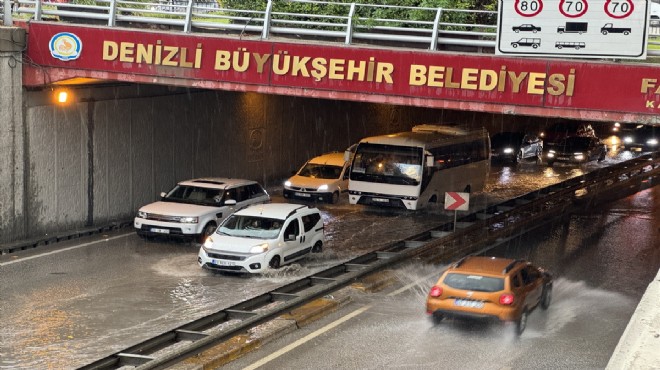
{"points": [[70, 304], [601, 261]]}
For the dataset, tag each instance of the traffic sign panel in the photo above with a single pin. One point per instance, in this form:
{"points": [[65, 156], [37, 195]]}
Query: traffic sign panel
{"points": [[573, 28], [457, 201]]}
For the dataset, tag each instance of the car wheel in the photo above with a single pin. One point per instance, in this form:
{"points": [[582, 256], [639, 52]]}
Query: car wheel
{"points": [[601, 157], [318, 247], [274, 263], [521, 324], [206, 232], [539, 156], [546, 297], [519, 157], [335, 197], [436, 318]]}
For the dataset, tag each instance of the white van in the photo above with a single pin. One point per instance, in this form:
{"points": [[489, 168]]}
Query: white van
{"points": [[322, 178], [262, 237], [194, 208]]}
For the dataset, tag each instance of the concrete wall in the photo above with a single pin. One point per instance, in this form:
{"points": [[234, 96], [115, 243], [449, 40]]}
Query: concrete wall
{"points": [[12, 145], [137, 140]]}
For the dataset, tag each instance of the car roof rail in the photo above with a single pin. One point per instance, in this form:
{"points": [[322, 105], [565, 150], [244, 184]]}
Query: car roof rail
{"points": [[510, 266], [460, 262], [296, 210]]}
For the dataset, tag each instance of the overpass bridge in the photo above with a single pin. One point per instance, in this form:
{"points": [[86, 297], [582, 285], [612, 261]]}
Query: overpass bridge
{"points": [[176, 90], [444, 62]]}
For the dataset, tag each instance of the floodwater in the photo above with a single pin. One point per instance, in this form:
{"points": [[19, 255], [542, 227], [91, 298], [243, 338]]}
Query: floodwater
{"points": [[70, 307]]}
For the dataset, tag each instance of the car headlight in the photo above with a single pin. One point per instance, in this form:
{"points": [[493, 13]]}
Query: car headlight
{"points": [[142, 214], [627, 139], [261, 248], [508, 150], [652, 142], [551, 154], [208, 243], [189, 220], [287, 183], [578, 156], [323, 187]]}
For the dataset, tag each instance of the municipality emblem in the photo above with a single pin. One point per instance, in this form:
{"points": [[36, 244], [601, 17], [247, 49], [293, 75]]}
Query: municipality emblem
{"points": [[65, 46]]}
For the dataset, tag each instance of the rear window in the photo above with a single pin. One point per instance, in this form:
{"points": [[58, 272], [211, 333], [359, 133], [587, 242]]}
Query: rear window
{"points": [[474, 282]]}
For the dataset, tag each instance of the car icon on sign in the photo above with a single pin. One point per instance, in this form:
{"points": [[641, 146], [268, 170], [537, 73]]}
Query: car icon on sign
{"points": [[526, 28]]}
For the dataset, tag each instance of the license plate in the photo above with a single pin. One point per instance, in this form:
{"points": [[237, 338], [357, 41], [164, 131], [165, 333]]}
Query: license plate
{"points": [[381, 200], [563, 158], [468, 303], [223, 263], [305, 195], [161, 231]]}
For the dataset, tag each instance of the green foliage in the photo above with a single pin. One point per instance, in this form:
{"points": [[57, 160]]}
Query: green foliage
{"points": [[370, 15]]}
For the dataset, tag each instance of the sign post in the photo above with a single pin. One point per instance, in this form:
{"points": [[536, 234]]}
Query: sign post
{"points": [[457, 202]]}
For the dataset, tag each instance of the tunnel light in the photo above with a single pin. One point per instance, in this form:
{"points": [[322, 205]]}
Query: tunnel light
{"points": [[62, 96]]}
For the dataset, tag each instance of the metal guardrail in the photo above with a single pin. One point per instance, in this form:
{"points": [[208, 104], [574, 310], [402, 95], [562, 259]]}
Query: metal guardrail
{"points": [[424, 27], [448, 241], [430, 28]]}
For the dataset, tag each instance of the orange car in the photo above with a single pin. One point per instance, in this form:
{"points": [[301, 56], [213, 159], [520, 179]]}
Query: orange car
{"points": [[490, 288]]}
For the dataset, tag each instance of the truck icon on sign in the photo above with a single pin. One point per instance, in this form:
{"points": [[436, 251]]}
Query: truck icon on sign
{"points": [[573, 27]]}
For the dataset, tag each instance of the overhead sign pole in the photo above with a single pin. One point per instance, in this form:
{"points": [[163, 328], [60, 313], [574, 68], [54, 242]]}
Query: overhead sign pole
{"points": [[457, 202], [573, 28]]}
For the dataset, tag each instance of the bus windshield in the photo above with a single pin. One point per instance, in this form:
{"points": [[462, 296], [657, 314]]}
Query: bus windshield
{"points": [[387, 164]]}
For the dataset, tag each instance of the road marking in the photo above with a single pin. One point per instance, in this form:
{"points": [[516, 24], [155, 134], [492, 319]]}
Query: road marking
{"points": [[305, 339], [63, 250]]}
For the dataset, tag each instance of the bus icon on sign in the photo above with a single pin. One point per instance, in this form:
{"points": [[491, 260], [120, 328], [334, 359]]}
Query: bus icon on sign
{"points": [[533, 42], [569, 44]]}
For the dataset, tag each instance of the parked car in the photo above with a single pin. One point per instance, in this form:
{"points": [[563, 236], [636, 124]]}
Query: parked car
{"points": [[322, 178], [500, 289], [515, 146], [561, 130], [262, 237], [640, 137], [194, 208], [576, 149]]}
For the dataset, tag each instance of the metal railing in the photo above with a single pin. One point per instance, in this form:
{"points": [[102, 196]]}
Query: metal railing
{"points": [[430, 28], [427, 28]]}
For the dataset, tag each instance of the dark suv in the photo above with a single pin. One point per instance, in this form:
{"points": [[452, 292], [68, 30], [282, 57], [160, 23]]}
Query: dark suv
{"points": [[490, 288]]}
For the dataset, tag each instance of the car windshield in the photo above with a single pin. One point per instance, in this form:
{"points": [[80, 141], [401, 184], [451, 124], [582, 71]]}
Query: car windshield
{"points": [[506, 138], [575, 143], [195, 195], [476, 283], [320, 171], [251, 227]]}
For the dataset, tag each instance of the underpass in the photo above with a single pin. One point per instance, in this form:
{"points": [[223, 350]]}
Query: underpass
{"points": [[90, 300]]}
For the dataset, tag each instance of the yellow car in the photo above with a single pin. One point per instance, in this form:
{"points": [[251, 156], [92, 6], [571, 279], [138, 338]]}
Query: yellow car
{"points": [[490, 288]]}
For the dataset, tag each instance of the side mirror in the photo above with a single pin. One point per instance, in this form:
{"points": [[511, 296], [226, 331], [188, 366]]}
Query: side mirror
{"points": [[430, 161], [290, 237], [163, 194], [230, 202]]}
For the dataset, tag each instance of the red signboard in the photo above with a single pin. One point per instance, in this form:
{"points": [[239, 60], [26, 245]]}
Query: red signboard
{"points": [[475, 79]]}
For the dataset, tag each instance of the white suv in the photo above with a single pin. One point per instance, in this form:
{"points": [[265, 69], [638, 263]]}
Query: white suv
{"points": [[262, 237], [194, 208], [322, 178]]}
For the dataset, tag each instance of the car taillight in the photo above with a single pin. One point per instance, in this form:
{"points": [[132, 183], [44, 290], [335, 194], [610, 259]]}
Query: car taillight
{"points": [[506, 299], [436, 291]]}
